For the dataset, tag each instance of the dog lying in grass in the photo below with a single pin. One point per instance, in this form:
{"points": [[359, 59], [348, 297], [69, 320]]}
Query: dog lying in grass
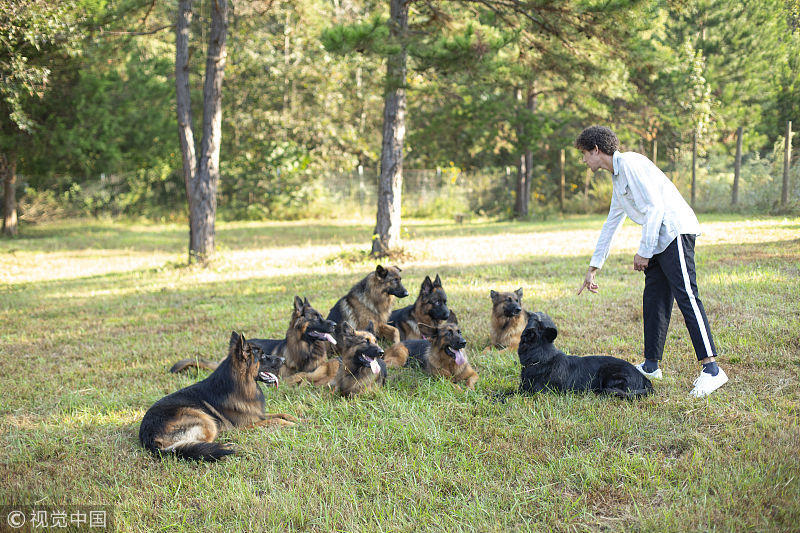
{"points": [[508, 318], [371, 300], [327, 373], [304, 348], [546, 367], [186, 423], [361, 367], [430, 308], [442, 354]]}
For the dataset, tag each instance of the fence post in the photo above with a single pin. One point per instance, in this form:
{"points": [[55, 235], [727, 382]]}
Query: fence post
{"points": [[787, 149], [562, 162], [586, 177], [737, 169], [655, 151], [694, 165]]}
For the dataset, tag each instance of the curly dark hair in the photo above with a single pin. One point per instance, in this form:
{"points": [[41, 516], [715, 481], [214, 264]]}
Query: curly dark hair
{"points": [[600, 136]]}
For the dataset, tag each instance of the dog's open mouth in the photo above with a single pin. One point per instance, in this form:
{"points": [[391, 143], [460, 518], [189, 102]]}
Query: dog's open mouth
{"points": [[321, 336], [269, 378], [372, 363], [458, 355]]}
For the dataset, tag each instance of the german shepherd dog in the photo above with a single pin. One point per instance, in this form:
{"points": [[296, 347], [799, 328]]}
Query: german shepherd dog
{"points": [[370, 300], [361, 367], [441, 355], [546, 367], [304, 348], [508, 318], [351, 341], [430, 308], [186, 423]]}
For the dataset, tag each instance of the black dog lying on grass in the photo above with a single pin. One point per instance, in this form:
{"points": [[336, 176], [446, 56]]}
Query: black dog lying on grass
{"points": [[546, 367]]}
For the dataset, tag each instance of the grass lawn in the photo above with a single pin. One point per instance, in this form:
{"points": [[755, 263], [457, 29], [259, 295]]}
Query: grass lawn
{"points": [[93, 313]]}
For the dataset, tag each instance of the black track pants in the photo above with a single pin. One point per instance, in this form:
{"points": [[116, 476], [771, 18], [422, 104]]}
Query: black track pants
{"points": [[670, 276]]}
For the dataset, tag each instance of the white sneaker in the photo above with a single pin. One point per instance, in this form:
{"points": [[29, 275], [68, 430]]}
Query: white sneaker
{"points": [[706, 384], [655, 374]]}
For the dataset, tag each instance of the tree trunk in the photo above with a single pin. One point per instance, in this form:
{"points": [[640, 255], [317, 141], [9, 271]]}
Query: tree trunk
{"points": [[694, 166], [8, 169], [521, 206], [201, 174], [286, 62], [525, 163], [184, 106], [531, 106], [386, 236], [737, 169], [787, 149]]}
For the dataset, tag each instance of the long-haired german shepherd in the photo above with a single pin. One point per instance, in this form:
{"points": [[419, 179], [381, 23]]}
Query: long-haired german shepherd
{"points": [[429, 308], [508, 318], [350, 342], [304, 348], [361, 368], [370, 300], [441, 355], [186, 423]]}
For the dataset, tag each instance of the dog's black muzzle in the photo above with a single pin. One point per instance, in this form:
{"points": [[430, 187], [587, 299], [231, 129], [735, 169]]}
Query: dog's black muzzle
{"points": [[458, 343], [512, 310], [440, 312], [398, 291]]}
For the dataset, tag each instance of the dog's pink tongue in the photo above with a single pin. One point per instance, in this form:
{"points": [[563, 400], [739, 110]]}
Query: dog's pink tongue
{"points": [[460, 359], [375, 366], [329, 338]]}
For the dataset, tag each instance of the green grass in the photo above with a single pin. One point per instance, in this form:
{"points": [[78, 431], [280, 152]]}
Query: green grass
{"points": [[93, 313]]}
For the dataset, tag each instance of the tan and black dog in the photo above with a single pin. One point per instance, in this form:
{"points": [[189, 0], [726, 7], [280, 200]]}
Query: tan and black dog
{"points": [[304, 348], [430, 308], [350, 342], [370, 300], [441, 355], [186, 423], [361, 367], [508, 318]]}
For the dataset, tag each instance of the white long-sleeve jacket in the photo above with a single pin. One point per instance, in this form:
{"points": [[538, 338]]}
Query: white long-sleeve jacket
{"points": [[643, 193]]}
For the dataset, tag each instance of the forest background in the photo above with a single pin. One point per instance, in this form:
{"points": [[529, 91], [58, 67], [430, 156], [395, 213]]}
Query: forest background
{"points": [[495, 93]]}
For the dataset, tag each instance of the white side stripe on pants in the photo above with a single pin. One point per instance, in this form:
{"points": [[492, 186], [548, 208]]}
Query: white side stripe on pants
{"points": [[700, 323]]}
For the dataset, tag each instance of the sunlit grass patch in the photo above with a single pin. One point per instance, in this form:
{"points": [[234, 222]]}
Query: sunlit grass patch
{"points": [[90, 322]]}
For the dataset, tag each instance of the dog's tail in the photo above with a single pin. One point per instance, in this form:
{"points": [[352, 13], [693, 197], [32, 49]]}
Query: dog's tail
{"points": [[196, 451], [198, 363]]}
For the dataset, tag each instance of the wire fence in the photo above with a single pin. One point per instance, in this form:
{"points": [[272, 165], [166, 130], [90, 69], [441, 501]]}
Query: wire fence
{"points": [[444, 192]]}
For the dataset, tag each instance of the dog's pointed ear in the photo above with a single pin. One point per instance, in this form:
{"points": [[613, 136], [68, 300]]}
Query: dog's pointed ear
{"points": [[452, 318], [306, 302], [347, 329], [438, 281], [380, 271], [427, 285], [236, 345], [398, 268], [549, 329], [518, 292], [493, 295], [371, 327], [298, 305]]}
